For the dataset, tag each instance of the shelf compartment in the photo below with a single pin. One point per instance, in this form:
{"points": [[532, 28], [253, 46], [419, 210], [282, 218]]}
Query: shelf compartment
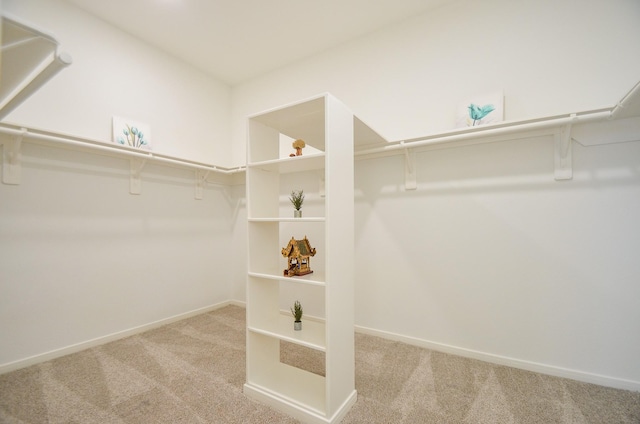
{"points": [[305, 120], [269, 318], [268, 237], [312, 334], [293, 386], [281, 381], [302, 357], [269, 192]]}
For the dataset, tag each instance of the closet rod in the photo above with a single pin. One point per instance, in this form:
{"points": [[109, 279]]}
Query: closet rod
{"points": [[115, 149], [482, 132]]}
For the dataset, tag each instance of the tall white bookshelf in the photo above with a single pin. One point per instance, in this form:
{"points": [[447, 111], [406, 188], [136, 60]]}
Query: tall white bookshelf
{"points": [[326, 170]]}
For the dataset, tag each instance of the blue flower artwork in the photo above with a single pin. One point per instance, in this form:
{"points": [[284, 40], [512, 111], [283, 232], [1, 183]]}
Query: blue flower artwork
{"points": [[476, 112], [480, 110], [131, 134], [132, 137]]}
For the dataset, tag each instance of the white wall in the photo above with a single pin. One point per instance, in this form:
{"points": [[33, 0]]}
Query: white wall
{"points": [[81, 258], [549, 57], [114, 73], [491, 257]]}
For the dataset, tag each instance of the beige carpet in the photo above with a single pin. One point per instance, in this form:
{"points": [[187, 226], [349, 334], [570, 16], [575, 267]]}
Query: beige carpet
{"points": [[192, 371]]}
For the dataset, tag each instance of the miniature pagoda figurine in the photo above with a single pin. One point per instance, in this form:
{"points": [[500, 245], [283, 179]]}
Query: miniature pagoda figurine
{"points": [[298, 253]]}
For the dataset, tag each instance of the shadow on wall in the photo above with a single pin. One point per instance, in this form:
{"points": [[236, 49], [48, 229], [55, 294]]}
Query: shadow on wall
{"points": [[514, 166]]}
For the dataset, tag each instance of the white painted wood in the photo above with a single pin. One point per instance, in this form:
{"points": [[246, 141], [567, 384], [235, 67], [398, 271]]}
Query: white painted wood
{"points": [[267, 148], [312, 335], [289, 165], [340, 254], [264, 249], [315, 279], [325, 124]]}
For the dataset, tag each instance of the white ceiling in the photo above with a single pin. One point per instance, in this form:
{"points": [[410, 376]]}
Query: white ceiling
{"points": [[235, 40]]}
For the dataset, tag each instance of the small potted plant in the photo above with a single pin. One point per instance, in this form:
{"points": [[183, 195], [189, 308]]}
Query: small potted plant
{"points": [[297, 198], [296, 311]]}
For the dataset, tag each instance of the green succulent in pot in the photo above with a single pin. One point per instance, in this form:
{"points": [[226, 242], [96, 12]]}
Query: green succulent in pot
{"points": [[296, 311]]}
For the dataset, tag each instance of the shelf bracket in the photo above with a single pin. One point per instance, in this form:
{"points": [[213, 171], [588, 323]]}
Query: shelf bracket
{"points": [[410, 182], [135, 180], [11, 158], [201, 179], [563, 156]]}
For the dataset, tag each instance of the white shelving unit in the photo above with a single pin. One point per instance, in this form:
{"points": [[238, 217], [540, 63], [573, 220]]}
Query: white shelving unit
{"points": [[331, 130]]}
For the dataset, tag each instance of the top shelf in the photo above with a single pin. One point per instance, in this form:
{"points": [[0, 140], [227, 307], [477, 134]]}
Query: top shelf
{"points": [[30, 58], [615, 124], [305, 120], [302, 120]]}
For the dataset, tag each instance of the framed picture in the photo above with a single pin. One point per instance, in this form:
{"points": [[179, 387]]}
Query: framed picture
{"points": [[481, 110], [131, 133]]}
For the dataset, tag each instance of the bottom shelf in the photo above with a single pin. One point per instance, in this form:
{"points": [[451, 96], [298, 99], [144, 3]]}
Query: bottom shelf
{"points": [[301, 412], [292, 386], [278, 383]]}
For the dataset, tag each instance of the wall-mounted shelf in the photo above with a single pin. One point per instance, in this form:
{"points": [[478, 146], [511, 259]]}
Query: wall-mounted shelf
{"points": [[620, 123], [30, 58], [12, 137]]}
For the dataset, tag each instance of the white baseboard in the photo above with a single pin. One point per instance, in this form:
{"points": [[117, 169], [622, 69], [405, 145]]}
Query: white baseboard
{"points": [[598, 379], [601, 380], [47, 356], [296, 410]]}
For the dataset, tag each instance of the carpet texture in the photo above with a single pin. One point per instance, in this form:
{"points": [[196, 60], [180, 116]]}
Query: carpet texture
{"points": [[192, 371]]}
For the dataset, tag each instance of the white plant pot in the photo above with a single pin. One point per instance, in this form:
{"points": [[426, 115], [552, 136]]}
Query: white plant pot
{"points": [[297, 325]]}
